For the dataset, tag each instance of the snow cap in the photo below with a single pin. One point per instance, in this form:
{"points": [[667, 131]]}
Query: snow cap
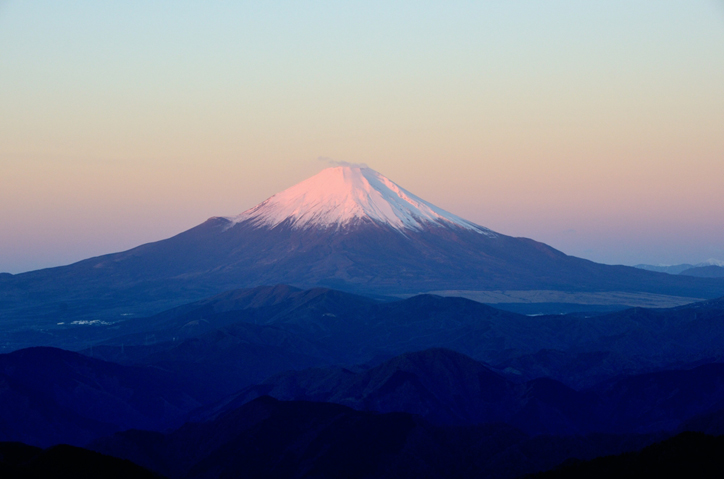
{"points": [[338, 196]]}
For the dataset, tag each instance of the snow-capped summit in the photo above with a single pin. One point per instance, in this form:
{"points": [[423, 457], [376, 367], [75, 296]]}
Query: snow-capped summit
{"points": [[344, 195]]}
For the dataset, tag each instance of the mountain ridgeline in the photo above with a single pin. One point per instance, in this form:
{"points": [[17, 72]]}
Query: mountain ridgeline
{"points": [[284, 382], [293, 341], [249, 335]]}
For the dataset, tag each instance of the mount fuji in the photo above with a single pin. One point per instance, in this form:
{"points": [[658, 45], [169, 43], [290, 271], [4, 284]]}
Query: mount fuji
{"points": [[347, 228]]}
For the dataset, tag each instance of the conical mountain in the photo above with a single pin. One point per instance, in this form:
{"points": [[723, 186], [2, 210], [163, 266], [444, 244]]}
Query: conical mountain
{"points": [[346, 228]]}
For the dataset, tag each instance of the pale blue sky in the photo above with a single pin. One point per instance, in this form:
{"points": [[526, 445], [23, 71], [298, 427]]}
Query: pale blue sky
{"points": [[596, 127]]}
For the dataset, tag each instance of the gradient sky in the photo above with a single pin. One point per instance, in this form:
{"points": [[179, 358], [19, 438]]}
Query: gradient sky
{"points": [[596, 127]]}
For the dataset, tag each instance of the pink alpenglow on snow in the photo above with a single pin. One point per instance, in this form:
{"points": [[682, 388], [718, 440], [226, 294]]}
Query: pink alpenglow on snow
{"points": [[342, 195]]}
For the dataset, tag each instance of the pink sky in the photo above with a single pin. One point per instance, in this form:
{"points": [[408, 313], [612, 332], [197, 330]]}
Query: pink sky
{"points": [[596, 130]]}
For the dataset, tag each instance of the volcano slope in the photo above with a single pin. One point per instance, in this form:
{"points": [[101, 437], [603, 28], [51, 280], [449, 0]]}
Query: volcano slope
{"points": [[348, 228]]}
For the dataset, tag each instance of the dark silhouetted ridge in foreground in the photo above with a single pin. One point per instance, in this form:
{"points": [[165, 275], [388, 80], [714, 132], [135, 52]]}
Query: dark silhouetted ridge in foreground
{"points": [[270, 438], [688, 455], [19, 461]]}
